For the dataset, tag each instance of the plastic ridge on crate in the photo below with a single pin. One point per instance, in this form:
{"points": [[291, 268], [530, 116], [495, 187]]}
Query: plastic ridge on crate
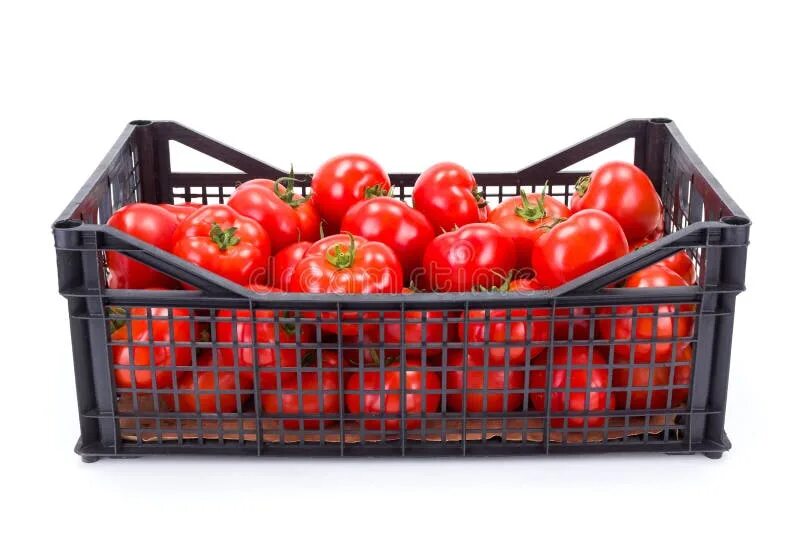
{"points": [[119, 421]]}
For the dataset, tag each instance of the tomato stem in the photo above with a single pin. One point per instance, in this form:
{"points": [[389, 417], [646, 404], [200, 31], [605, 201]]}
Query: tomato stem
{"points": [[582, 185], [376, 190], [530, 212], [343, 258], [288, 195], [223, 239], [116, 317], [476, 193]]}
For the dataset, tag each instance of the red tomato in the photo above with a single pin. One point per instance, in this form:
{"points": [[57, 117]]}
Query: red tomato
{"points": [[313, 397], [680, 262], [200, 396], [221, 240], [269, 331], [648, 329], [447, 194], [626, 193], [526, 218], [281, 266], [421, 327], [153, 225], [475, 255], [634, 378], [181, 211], [148, 346], [484, 388], [576, 391], [585, 241], [344, 181], [395, 224], [510, 327], [370, 267], [386, 400]]}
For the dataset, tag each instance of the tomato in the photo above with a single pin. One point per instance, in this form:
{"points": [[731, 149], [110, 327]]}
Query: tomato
{"points": [[200, 396], [526, 218], [484, 389], [680, 262], [315, 396], [386, 399], [221, 240], [448, 195], [153, 225], [181, 211], [509, 327], [321, 247], [282, 265], [284, 215], [626, 193], [269, 331], [149, 346], [343, 181], [576, 391], [475, 255], [369, 267], [421, 328], [395, 224], [634, 378], [585, 241], [648, 329]]}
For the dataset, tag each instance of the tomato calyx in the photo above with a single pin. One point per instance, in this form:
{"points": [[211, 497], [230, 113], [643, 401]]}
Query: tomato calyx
{"points": [[116, 317], [582, 185], [375, 191], [224, 239], [552, 225], [340, 257], [503, 287], [479, 198], [287, 194], [531, 212]]}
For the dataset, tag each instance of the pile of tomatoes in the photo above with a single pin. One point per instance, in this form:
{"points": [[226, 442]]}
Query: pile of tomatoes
{"points": [[351, 236]]}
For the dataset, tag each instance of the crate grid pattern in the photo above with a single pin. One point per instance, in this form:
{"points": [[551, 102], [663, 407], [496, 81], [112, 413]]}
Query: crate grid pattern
{"points": [[139, 420]]}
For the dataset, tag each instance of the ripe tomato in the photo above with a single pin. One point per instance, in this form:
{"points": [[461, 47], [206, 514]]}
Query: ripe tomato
{"points": [[475, 255], [200, 396], [648, 329], [181, 211], [447, 194], [526, 218], [282, 265], [152, 224], [576, 391], [395, 224], [387, 400], [370, 267], [484, 388], [585, 241], [284, 215], [314, 396], [344, 181], [633, 378], [269, 331], [509, 327], [680, 262], [623, 191], [148, 346], [221, 240], [421, 328]]}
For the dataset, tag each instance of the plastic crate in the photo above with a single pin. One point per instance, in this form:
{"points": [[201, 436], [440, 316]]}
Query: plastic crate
{"points": [[117, 421]]}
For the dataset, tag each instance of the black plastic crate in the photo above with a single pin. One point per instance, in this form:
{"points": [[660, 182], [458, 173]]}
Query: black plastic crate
{"points": [[137, 420]]}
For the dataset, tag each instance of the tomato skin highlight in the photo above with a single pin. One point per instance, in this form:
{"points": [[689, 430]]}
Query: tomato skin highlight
{"points": [[160, 333], [447, 194], [153, 225], [343, 181], [626, 193], [395, 224], [225, 242], [282, 265], [577, 398], [475, 255], [648, 329], [525, 219], [496, 381], [585, 241], [304, 399], [387, 400]]}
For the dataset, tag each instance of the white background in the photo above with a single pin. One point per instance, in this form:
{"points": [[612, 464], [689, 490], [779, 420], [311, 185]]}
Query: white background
{"points": [[494, 86]]}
